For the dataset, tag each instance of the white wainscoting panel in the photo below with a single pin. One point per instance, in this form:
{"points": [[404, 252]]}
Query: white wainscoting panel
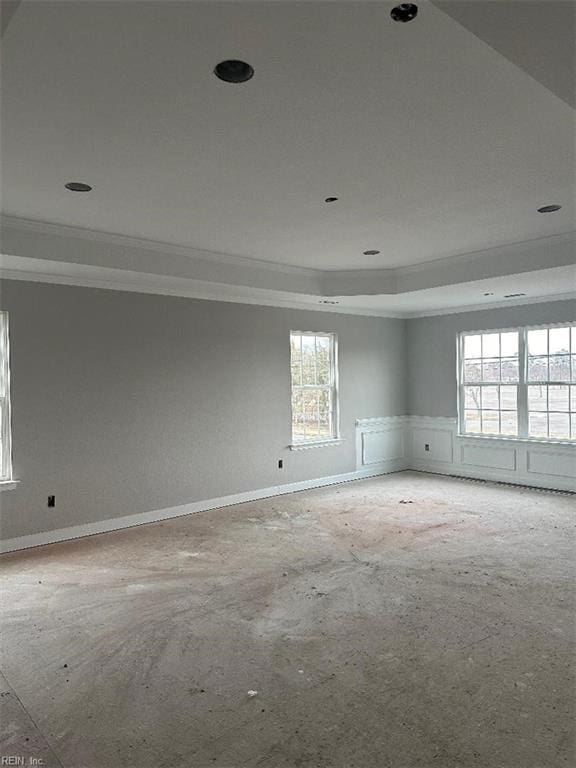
{"points": [[494, 457], [381, 443], [431, 444], [525, 462], [554, 462]]}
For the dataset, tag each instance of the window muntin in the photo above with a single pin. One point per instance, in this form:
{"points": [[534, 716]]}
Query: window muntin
{"points": [[314, 394], [519, 383], [5, 436]]}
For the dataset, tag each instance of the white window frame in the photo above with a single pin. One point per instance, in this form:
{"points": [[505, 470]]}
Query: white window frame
{"points": [[522, 384], [6, 436], [300, 444]]}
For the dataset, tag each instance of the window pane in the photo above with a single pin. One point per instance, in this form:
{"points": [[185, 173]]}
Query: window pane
{"points": [[559, 340], [490, 423], [298, 427], [558, 399], [295, 358], [323, 359], [573, 397], [308, 360], [510, 369], [559, 426], [491, 345], [537, 398], [509, 344], [508, 423], [311, 412], [538, 369], [490, 370], [325, 425], [538, 342], [559, 368], [472, 397], [490, 398], [472, 346], [573, 425], [472, 421], [538, 424], [573, 378], [508, 398], [472, 370]]}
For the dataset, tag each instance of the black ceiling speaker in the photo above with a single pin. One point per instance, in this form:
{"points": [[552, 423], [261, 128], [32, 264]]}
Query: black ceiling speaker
{"points": [[234, 71], [404, 12], [78, 186]]}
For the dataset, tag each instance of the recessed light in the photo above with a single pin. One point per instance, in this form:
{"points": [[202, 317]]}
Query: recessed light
{"points": [[404, 12], [78, 186], [513, 295], [371, 253], [549, 208], [330, 199], [326, 301], [234, 71]]}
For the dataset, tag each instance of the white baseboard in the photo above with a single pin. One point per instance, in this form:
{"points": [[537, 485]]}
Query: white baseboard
{"points": [[383, 445], [155, 516]]}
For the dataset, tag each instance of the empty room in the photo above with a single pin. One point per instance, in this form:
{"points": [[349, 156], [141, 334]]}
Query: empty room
{"points": [[288, 384]]}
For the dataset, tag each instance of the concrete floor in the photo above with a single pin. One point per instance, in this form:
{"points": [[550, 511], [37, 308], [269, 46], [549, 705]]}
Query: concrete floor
{"points": [[408, 620]]}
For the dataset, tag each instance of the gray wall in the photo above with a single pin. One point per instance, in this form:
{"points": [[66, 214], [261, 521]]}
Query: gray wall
{"points": [[432, 389], [125, 403]]}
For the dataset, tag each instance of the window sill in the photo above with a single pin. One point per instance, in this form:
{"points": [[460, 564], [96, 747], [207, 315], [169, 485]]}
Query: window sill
{"points": [[511, 439], [8, 485], [315, 444]]}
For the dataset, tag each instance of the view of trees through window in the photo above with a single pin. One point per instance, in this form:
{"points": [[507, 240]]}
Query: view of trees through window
{"points": [[491, 377], [519, 383], [313, 386]]}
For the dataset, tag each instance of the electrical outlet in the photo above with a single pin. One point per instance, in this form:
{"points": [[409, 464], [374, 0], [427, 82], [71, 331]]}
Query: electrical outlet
{"points": [[280, 463], [51, 501], [426, 446]]}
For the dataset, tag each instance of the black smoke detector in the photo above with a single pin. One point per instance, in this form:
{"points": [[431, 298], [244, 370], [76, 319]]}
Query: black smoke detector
{"points": [[78, 186], [234, 71], [404, 12]]}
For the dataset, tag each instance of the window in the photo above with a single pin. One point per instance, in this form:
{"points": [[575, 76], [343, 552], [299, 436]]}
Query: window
{"points": [[314, 387], [5, 449], [519, 383], [551, 361]]}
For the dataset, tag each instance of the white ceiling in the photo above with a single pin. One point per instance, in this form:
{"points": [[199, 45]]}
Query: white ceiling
{"points": [[440, 137], [435, 143]]}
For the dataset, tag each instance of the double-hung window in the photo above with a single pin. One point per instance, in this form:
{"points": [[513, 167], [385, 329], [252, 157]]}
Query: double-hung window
{"points": [[314, 387], [5, 447], [519, 383]]}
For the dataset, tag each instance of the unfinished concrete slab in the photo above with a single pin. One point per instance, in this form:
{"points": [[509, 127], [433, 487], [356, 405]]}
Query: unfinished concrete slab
{"points": [[408, 620]]}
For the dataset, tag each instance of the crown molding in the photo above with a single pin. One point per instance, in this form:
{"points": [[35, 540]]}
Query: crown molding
{"points": [[127, 241], [41, 251], [492, 305], [496, 252], [204, 293]]}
